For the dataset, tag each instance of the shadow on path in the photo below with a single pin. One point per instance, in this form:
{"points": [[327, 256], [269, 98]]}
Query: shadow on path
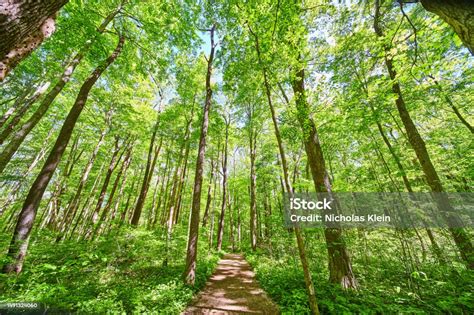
{"points": [[232, 289]]}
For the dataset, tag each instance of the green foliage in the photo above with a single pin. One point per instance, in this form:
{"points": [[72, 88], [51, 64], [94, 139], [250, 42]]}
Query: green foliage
{"points": [[119, 274], [383, 288]]}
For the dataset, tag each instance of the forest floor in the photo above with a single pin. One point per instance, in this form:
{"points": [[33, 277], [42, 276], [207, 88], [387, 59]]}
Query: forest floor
{"points": [[232, 289]]}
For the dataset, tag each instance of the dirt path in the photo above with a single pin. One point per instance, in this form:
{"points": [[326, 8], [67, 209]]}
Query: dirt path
{"points": [[232, 289]]}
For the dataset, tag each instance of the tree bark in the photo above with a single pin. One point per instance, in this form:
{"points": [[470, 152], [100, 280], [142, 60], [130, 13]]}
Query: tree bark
{"points": [[459, 14], [19, 243], [24, 25], [191, 254]]}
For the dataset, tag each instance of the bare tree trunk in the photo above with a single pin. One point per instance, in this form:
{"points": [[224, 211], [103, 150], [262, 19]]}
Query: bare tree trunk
{"points": [[191, 254], [103, 218], [55, 201], [182, 183], [19, 244], [24, 25], [122, 187], [81, 218], [220, 227]]}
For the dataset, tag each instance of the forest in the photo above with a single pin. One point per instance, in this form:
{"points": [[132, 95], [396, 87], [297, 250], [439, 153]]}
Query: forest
{"points": [[147, 149]]}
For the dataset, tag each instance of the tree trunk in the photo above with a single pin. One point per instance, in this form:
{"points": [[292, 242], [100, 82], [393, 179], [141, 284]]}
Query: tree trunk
{"points": [[19, 244], [460, 236], [253, 182], [209, 194], [114, 161], [313, 303], [19, 136], [191, 254], [182, 183], [71, 210], [220, 227], [340, 267], [458, 14], [110, 198], [151, 160], [24, 25]]}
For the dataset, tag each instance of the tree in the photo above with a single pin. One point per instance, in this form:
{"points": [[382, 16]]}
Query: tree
{"points": [[19, 244], [153, 152], [460, 236], [19, 136], [191, 253], [24, 25], [458, 14], [225, 193]]}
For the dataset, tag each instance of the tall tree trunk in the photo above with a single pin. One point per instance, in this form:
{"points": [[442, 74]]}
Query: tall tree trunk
{"points": [[180, 166], [19, 244], [458, 14], [24, 25], [253, 181], [71, 210], [81, 220], [110, 197], [114, 161], [73, 157], [191, 254], [19, 136], [209, 194], [220, 227], [313, 303], [122, 187], [151, 159], [340, 267], [460, 236], [182, 183]]}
